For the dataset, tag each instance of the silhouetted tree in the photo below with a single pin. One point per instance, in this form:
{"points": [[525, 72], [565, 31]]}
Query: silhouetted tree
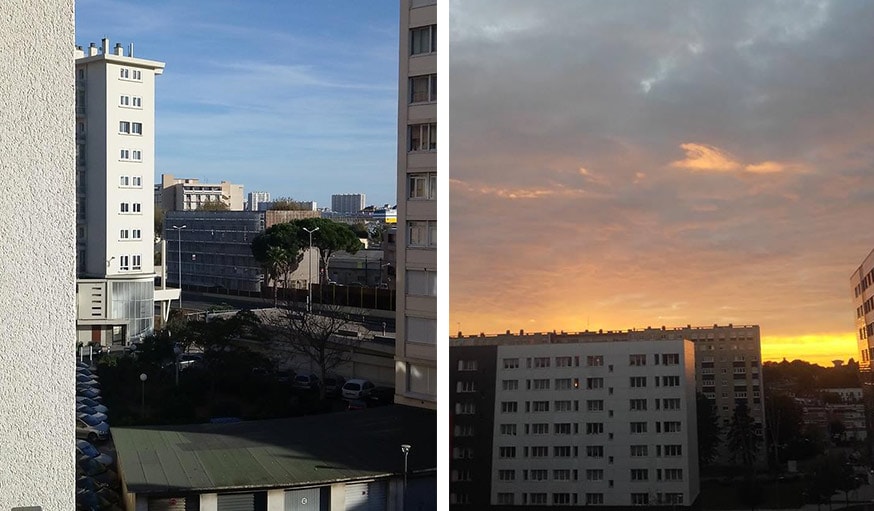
{"points": [[708, 429], [743, 439]]}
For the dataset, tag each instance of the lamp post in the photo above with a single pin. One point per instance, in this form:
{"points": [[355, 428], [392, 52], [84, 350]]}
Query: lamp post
{"points": [[405, 448], [310, 270], [179, 260], [143, 378]]}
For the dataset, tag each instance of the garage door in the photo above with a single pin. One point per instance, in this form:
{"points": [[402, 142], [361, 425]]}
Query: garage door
{"points": [[236, 502], [303, 500], [366, 496], [171, 504]]}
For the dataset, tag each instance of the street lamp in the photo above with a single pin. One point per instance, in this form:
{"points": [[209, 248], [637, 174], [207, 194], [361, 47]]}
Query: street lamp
{"points": [[310, 268], [405, 448], [143, 378], [179, 260]]}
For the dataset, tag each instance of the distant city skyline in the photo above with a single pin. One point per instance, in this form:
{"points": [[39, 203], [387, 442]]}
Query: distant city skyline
{"points": [[287, 98], [621, 165]]}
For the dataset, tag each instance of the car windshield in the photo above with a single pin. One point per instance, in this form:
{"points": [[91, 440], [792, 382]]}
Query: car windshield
{"points": [[89, 420], [353, 386], [88, 449]]}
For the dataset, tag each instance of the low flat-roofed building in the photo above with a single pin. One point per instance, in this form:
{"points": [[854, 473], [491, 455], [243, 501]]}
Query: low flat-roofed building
{"points": [[319, 462]]}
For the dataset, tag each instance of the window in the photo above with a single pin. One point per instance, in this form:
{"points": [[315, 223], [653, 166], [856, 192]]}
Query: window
{"points": [[594, 499], [124, 263], [423, 40], [509, 407], [671, 381], [671, 359], [460, 475], [540, 406], [594, 474], [422, 330], [137, 74], [137, 128], [123, 234], [464, 430], [506, 498], [125, 207], [423, 283], [423, 185], [640, 499], [673, 474], [465, 408], [562, 451], [594, 428], [467, 365], [672, 427], [124, 181], [124, 127], [423, 89], [508, 429], [595, 360], [639, 474], [639, 450], [637, 405], [561, 498], [540, 428], [563, 383], [511, 363], [595, 405], [541, 362], [423, 137], [672, 498], [510, 385], [537, 498], [637, 360], [137, 102], [507, 452], [540, 451], [124, 73], [563, 406], [462, 453], [540, 384], [507, 475], [671, 404], [638, 381], [562, 428], [465, 386], [421, 233], [136, 155], [124, 100], [561, 475], [595, 451], [563, 361], [638, 427], [124, 154], [594, 383], [137, 207]]}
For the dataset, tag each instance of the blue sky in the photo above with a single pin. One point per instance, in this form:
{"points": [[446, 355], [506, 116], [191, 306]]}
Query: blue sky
{"points": [[295, 98]]}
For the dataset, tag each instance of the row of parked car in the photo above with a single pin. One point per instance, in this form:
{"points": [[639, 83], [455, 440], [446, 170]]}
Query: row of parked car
{"points": [[97, 484]]}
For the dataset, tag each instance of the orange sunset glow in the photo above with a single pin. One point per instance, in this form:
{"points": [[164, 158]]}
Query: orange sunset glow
{"points": [[661, 167]]}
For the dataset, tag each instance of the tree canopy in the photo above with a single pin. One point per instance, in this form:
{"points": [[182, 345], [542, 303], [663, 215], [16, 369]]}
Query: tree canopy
{"points": [[708, 429], [287, 204], [279, 251], [743, 439]]}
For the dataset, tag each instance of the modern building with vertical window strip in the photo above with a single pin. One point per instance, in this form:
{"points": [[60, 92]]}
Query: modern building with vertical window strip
{"points": [[115, 169], [416, 353], [572, 420]]}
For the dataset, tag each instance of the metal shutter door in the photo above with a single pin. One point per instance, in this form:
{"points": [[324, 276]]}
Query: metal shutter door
{"points": [[303, 500], [236, 502], [366, 496], [171, 504]]}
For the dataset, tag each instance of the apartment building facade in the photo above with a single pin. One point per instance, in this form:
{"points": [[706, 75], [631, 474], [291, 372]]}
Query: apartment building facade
{"points": [[862, 283], [416, 270], [187, 194], [115, 154], [348, 202], [256, 198], [572, 420]]}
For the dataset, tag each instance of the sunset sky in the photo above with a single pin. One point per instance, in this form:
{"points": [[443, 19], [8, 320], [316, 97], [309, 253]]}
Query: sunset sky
{"points": [[628, 164]]}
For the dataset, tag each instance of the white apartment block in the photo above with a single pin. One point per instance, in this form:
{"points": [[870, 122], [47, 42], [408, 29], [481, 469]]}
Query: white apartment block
{"points": [[348, 202], [416, 355], [862, 282], [256, 198], [186, 194], [579, 420], [115, 165]]}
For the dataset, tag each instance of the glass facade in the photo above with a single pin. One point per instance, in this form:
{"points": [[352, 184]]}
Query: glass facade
{"points": [[134, 301]]}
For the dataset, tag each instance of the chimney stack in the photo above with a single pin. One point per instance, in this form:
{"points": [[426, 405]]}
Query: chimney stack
{"points": [[92, 50], [119, 50], [130, 51]]}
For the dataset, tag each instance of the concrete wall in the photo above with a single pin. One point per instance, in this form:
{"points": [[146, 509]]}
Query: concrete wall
{"points": [[37, 279]]}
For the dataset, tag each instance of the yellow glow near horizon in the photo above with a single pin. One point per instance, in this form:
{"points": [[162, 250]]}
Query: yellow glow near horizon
{"points": [[814, 348]]}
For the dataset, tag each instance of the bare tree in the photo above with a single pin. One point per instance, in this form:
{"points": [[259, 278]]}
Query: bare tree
{"points": [[325, 337]]}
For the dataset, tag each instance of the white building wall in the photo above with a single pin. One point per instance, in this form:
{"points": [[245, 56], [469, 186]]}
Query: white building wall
{"points": [[615, 417], [37, 287]]}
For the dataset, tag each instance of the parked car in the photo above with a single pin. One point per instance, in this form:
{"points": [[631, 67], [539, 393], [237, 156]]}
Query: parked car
{"points": [[91, 392], [92, 403], [90, 428], [380, 396], [100, 472], [357, 388], [89, 381], [356, 404], [306, 382], [86, 449], [283, 376], [87, 410], [187, 360], [333, 384]]}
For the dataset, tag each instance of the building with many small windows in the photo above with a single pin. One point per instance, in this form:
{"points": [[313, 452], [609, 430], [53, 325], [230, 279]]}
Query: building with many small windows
{"points": [[862, 283], [573, 419], [186, 194], [347, 202], [115, 155], [416, 268]]}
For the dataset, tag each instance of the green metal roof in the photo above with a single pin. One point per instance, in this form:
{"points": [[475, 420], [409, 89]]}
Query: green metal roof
{"points": [[298, 451]]}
